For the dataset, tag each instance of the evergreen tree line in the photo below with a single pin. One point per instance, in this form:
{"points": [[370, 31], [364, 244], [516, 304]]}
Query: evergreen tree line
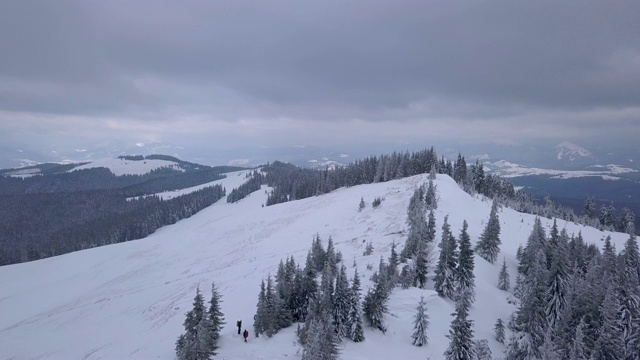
{"points": [[290, 182], [608, 218], [36, 226], [255, 180], [202, 328], [155, 181], [574, 301]]}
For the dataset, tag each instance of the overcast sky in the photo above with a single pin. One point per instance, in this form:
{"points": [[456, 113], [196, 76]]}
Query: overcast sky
{"points": [[232, 73]]}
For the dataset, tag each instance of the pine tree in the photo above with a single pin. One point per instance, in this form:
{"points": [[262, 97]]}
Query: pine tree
{"points": [[362, 204], [482, 350], [271, 309], [498, 330], [578, 348], [503, 277], [318, 254], [489, 245], [216, 317], [424, 253], [355, 328], [557, 281], [406, 277], [341, 300], [420, 324], [530, 320], [392, 269], [322, 342], [197, 342], [431, 196], [548, 350], [610, 343], [260, 322], [461, 344], [465, 279], [417, 224], [447, 263], [375, 306]]}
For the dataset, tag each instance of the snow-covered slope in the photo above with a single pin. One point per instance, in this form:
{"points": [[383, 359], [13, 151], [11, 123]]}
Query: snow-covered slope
{"points": [[127, 301], [129, 167], [571, 151]]}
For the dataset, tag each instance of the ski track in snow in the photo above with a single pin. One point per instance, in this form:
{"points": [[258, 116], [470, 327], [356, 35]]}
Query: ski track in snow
{"points": [[128, 300]]}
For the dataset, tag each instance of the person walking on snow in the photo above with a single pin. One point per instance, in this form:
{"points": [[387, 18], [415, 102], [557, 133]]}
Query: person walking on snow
{"points": [[239, 325], [245, 334]]}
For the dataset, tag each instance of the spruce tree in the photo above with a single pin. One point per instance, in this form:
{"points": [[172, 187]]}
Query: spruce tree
{"points": [[482, 350], [503, 277], [489, 245], [341, 301], [355, 328], [375, 306], [322, 341], [406, 277], [420, 324], [423, 253], [465, 279], [578, 349], [260, 321], [416, 222], [392, 269], [216, 317], [362, 204], [447, 263], [610, 343], [498, 331], [431, 196], [197, 343], [461, 344], [557, 280]]}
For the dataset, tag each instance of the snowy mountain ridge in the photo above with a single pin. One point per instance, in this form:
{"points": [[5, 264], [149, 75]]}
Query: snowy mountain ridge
{"points": [[128, 300], [570, 151]]}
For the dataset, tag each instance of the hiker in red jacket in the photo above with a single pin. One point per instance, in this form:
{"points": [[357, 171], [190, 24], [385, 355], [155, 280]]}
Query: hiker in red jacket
{"points": [[245, 334]]}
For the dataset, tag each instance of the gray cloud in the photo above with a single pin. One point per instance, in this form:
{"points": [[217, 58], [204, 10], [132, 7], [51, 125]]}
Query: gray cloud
{"points": [[283, 69]]}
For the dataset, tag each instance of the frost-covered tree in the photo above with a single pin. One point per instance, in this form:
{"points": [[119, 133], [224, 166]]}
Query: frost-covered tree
{"points": [[322, 342], [489, 245], [416, 222], [197, 343], [465, 279], [375, 306], [578, 350], [362, 204], [423, 253], [498, 331], [341, 300], [482, 350], [420, 324], [354, 322], [447, 262], [406, 277], [431, 196], [503, 277], [530, 321], [392, 268], [216, 317], [557, 280], [261, 319], [610, 343], [461, 344]]}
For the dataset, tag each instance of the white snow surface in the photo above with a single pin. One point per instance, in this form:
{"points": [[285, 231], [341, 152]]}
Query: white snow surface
{"points": [[129, 167], [128, 301], [509, 170], [571, 151]]}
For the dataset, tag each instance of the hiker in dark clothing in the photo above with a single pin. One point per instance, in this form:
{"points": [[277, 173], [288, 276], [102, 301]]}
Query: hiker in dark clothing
{"points": [[239, 325], [245, 334]]}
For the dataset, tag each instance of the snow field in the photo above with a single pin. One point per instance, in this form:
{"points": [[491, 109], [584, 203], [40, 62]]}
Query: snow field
{"points": [[128, 300]]}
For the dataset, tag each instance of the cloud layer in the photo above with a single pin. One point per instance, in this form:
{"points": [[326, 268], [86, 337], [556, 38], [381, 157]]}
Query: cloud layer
{"points": [[289, 72]]}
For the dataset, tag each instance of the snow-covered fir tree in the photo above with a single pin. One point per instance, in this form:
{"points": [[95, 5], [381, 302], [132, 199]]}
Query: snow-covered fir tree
{"points": [[197, 343], [361, 205], [341, 300], [260, 322], [416, 222], [216, 317], [482, 350], [420, 324], [578, 350], [461, 344], [423, 253], [375, 306], [557, 280], [498, 331], [465, 278], [610, 342], [354, 321], [503, 277], [431, 196], [489, 245], [322, 343], [447, 262]]}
